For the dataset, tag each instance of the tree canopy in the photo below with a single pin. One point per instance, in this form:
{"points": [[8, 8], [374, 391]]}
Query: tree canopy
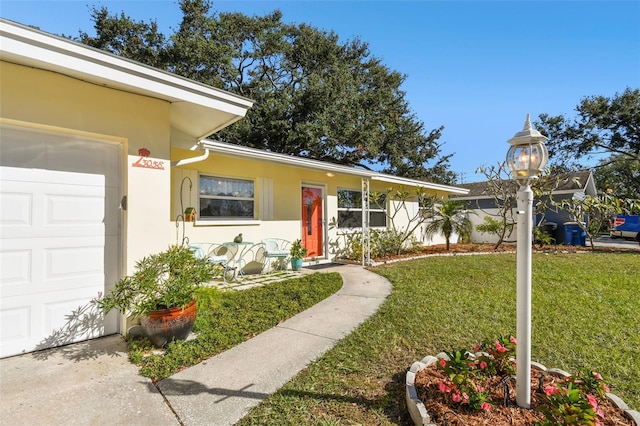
{"points": [[315, 96], [603, 126], [619, 175]]}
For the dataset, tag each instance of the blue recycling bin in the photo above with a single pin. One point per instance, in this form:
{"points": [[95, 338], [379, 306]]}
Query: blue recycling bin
{"points": [[574, 235]]}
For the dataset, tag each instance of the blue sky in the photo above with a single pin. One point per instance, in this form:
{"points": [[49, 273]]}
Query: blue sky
{"points": [[476, 67]]}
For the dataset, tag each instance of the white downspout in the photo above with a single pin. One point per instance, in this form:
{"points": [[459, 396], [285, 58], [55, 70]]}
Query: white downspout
{"points": [[202, 157]]}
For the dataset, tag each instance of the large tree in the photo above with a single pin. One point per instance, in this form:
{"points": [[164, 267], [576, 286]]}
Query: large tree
{"points": [[619, 175], [315, 96], [603, 126], [120, 35]]}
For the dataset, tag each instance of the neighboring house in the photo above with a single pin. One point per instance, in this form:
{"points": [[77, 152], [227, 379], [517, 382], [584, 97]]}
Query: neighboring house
{"points": [[99, 158], [482, 204]]}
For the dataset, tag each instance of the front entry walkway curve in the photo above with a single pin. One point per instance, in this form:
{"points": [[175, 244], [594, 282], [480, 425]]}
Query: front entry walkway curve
{"points": [[224, 388]]}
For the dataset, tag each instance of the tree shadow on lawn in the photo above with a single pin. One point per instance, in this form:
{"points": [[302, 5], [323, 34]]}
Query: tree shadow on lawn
{"points": [[392, 402]]}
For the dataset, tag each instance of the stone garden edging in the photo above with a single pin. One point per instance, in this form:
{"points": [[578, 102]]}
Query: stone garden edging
{"points": [[421, 417]]}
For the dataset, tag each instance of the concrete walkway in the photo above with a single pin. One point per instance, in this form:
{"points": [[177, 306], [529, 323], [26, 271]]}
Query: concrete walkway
{"points": [[93, 383]]}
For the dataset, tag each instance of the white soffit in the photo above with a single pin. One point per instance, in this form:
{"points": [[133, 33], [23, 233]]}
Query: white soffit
{"points": [[306, 163], [196, 109]]}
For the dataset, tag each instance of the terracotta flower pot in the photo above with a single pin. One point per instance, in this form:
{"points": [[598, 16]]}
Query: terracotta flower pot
{"points": [[166, 325]]}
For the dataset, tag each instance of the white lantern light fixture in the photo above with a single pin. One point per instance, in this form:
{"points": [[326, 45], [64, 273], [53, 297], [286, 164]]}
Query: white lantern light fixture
{"points": [[528, 155], [526, 158]]}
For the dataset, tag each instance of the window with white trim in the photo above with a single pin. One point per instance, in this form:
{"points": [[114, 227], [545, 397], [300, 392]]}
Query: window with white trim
{"points": [[226, 198], [350, 210]]}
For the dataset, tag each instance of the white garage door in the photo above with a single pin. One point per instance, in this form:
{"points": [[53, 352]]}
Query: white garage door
{"points": [[59, 248]]}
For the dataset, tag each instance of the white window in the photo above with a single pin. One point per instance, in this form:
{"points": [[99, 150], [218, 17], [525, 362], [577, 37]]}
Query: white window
{"points": [[350, 210], [226, 198]]}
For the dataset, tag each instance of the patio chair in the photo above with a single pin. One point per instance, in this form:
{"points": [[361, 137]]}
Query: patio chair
{"points": [[218, 254], [251, 260], [276, 251]]}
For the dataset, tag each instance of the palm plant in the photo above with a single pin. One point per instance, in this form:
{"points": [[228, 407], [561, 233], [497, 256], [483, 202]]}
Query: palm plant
{"points": [[447, 217]]}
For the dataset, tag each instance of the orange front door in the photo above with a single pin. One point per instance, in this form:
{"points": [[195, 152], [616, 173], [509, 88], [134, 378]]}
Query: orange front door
{"points": [[312, 221]]}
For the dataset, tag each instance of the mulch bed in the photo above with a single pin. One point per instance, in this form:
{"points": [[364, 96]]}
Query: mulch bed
{"points": [[465, 248], [426, 383]]}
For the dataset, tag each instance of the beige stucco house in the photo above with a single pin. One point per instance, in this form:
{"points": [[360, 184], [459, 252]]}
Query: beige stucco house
{"points": [[99, 158]]}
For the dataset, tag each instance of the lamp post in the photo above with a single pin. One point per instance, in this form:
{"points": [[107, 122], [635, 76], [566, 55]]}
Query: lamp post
{"points": [[526, 157]]}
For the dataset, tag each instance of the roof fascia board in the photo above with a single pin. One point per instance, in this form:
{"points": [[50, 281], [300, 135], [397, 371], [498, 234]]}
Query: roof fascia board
{"points": [[567, 191], [418, 183], [484, 196], [307, 163], [273, 157], [474, 197]]}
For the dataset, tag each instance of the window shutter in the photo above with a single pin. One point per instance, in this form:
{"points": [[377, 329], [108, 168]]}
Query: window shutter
{"points": [[266, 198]]}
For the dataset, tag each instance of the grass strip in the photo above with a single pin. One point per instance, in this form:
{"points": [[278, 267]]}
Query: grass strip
{"points": [[585, 315], [227, 318]]}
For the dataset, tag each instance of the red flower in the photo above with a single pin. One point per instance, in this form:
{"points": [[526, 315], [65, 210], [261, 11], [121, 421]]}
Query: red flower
{"points": [[483, 365], [513, 340], [444, 388], [486, 406], [500, 348], [550, 390], [443, 363], [592, 401]]}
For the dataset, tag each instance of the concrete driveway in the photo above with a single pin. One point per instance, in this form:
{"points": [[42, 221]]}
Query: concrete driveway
{"points": [[616, 243]]}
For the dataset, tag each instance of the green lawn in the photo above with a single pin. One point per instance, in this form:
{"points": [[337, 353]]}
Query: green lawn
{"points": [[586, 314]]}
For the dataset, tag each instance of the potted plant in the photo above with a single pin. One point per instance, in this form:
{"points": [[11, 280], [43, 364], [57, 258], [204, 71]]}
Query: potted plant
{"points": [[161, 293], [297, 253]]}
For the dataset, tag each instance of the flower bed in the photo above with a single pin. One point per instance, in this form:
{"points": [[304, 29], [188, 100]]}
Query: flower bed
{"points": [[460, 388]]}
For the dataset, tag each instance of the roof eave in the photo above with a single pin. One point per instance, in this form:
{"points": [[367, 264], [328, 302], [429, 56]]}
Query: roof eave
{"points": [[418, 183], [196, 110], [307, 163]]}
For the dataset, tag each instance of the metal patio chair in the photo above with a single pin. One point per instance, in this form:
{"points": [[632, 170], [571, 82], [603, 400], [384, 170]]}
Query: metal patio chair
{"points": [[217, 254], [276, 252]]}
